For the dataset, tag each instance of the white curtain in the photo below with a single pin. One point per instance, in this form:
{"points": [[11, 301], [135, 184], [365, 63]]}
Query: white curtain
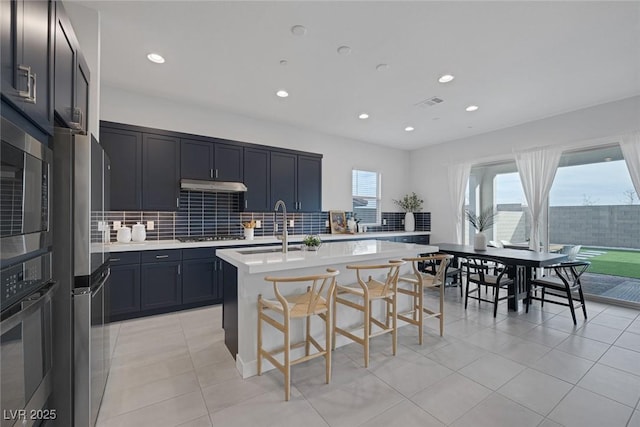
{"points": [[537, 170], [458, 180], [630, 146]]}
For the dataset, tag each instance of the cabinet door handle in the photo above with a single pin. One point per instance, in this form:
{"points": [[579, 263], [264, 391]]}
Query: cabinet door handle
{"points": [[178, 202], [115, 259], [216, 173], [30, 77], [210, 173], [246, 203], [179, 265], [162, 256], [300, 205]]}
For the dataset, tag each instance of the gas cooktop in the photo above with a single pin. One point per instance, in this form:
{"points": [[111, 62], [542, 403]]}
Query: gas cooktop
{"points": [[209, 238]]}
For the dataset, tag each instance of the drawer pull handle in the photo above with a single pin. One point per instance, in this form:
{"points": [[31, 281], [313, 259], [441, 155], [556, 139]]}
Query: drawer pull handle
{"points": [[115, 259], [162, 256]]}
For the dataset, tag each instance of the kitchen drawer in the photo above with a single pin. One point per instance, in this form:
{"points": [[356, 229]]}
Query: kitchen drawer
{"points": [[199, 253], [122, 258], [423, 239], [161, 256]]}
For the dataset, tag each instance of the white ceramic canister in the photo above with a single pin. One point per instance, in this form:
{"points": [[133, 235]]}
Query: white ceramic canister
{"points": [[138, 233], [124, 235]]}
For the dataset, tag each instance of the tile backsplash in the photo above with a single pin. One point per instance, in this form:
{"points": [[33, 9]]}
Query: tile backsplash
{"points": [[219, 213]]}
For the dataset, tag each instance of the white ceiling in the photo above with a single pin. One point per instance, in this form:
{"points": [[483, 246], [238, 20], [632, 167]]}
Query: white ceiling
{"points": [[518, 61]]}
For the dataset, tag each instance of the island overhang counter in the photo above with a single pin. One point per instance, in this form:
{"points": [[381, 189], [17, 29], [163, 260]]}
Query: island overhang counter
{"points": [[244, 271]]}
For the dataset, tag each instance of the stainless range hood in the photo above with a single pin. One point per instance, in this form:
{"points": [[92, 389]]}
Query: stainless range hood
{"points": [[212, 186]]}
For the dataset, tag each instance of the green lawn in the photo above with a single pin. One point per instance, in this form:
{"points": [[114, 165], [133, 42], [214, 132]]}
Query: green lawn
{"points": [[615, 262]]}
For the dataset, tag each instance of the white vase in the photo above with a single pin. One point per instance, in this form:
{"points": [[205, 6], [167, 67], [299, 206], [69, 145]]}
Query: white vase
{"points": [[248, 233], [480, 241], [409, 222]]}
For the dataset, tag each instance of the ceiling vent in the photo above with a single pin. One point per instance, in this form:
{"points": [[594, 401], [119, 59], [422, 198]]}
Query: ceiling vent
{"points": [[429, 102]]}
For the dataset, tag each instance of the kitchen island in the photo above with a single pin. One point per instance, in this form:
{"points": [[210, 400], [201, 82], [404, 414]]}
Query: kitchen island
{"points": [[244, 271]]}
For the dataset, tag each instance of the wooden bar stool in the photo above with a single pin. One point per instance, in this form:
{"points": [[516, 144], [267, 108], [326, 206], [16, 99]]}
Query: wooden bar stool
{"points": [[371, 290], [315, 301], [419, 282]]}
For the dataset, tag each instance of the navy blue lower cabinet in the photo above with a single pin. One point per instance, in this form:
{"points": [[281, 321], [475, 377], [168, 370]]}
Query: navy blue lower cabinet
{"points": [[161, 285], [124, 290], [199, 280]]}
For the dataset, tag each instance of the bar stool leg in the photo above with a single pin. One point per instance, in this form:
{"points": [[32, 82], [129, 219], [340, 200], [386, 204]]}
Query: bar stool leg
{"points": [[367, 331], [287, 356], [260, 334]]}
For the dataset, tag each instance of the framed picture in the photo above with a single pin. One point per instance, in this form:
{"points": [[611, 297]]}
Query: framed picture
{"points": [[338, 221]]}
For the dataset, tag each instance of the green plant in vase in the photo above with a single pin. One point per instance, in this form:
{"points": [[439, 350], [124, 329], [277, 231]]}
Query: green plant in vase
{"points": [[481, 222], [312, 242], [410, 203]]}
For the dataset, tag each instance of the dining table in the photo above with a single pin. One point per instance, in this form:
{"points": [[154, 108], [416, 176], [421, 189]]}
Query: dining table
{"points": [[521, 265]]}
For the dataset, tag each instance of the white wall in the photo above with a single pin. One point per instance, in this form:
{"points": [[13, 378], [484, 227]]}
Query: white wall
{"points": [[86, 26], [599, 124], [340, 155]]}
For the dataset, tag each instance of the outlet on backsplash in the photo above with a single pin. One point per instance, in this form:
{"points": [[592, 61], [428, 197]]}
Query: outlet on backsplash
{"points": [[258, 224], [150, 225]]}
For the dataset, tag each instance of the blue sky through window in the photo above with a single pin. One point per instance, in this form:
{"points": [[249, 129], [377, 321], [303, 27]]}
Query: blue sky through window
{"points": [[605, 183]]}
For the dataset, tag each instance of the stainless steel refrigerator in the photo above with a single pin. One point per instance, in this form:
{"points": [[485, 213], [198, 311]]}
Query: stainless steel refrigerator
{"points": [[81, 266]]}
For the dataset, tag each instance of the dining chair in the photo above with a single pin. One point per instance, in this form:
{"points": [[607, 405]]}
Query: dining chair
{"points": [[453, 271], [488, 272], [564, 282], [367, 291], [419, 281], [315, 301]]}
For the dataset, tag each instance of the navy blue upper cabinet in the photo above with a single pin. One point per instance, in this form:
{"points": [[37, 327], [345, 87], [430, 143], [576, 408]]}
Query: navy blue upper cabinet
{"points": [[26, 58], [296, 180], [284, 168], [160, 172], [228, 162], [71, 76], [196, 159], [124, 149], [257, 178], [209, 159], [309, 184]]}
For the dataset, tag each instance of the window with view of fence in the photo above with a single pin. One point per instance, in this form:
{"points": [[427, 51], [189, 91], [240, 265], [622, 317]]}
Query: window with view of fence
{"points": [[365, 191]]}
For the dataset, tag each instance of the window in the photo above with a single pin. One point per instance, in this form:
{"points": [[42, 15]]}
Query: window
{"points": [[365, 192], [498, 185]]}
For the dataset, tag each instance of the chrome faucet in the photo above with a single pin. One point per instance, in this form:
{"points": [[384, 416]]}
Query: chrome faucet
{"points": [[284, 234]]}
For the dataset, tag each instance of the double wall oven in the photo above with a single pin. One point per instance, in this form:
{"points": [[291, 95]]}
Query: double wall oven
{"points": [[26, 285]]}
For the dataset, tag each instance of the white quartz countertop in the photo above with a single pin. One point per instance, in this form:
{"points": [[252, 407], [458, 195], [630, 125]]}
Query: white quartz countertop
{"points": [[152, 245], [331, 253]]}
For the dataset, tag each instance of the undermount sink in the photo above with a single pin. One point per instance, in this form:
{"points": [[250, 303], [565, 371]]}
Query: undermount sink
{"points": [[267, 250]]}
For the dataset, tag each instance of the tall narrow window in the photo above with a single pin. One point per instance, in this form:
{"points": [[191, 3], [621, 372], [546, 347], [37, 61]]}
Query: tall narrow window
{"points": [[365, 191]]}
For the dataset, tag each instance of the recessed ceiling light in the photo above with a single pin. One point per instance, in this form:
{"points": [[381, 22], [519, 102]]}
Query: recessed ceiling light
{"points": [[382, 67], [344, 50], [409, 129], [283, 62], [298, 30], [472, 108], [607, 159], [363, 116], [155, 57], [446, 78], [282, 93]]}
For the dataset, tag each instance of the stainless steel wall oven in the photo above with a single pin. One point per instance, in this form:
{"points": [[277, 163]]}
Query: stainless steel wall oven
{"points": [[25, 167], [26, 286]]}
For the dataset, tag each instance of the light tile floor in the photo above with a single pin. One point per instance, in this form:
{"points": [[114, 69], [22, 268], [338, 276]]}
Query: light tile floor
{"points": [[519, 369]]}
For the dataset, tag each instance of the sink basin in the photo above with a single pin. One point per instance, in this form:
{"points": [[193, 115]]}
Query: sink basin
{"points": [[267, 250]]}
